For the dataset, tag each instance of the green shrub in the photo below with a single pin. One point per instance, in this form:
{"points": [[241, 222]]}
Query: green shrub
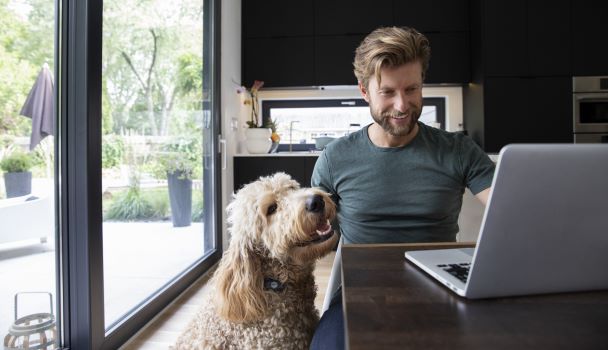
{"points": [[135, 204], [16, 162], [159, 200], [112, 151], [181, 155], [197, 207], [130, 206]]}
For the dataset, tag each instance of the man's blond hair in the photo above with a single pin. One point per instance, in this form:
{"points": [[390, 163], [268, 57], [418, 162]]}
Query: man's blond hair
{"points": [[390, 47]]}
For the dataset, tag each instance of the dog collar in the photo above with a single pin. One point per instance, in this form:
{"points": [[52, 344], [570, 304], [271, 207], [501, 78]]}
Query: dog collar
{"points": [[272, 284]]}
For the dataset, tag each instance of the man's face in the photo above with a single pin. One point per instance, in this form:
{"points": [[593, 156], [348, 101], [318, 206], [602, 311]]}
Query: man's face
{"points": [[396, 103]]}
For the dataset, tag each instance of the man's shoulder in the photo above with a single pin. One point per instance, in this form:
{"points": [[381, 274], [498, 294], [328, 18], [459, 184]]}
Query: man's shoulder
{"points": [[441, 134], [443, 139]]}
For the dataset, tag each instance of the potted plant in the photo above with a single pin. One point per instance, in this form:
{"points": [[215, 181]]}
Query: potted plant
{"points": [[181, 159], [274, 137], [257, 134], [17, 177]]}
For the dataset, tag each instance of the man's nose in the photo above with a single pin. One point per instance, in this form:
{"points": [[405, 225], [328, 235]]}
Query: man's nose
{"points": [[401, 102]]}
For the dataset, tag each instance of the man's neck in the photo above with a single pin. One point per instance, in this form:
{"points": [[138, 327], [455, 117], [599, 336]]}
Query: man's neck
{"points": [[381, 138]]}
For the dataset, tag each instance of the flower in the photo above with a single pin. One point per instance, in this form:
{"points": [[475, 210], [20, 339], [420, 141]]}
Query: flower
{"points": [[255, 121]]}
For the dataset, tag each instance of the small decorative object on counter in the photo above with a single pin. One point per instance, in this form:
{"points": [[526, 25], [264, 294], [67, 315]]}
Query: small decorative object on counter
{"points": [[257, 134], [274, 137], [322, 142], [258, 140], [255, 119]]}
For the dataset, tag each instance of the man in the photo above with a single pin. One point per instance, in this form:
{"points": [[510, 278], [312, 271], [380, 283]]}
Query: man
{"points": [[396, 180]]}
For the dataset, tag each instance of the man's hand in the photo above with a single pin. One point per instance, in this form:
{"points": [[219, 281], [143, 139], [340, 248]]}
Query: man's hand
{"points": [[483, 195]]}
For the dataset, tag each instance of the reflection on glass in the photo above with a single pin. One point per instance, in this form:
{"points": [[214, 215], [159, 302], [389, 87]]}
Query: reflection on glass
{"points": [[27, 205], [152, 148]]}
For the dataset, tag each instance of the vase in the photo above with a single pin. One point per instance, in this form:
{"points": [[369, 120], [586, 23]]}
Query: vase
{"points": [[180, 198], [258, 140], [18, 184]]}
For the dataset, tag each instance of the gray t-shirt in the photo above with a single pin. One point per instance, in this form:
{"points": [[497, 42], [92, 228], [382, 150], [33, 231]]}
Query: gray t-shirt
{"points": [[401, 194]]}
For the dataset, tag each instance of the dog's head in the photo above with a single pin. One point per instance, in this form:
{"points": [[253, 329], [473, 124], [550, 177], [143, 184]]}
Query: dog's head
{"points": [[275, 214], [270, 218]]}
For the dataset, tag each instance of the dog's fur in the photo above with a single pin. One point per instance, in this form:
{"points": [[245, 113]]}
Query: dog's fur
{"points": [[274, 235]]}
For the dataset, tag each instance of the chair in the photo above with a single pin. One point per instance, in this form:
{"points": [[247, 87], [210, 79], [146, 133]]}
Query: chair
{"points": [[335, 277]]}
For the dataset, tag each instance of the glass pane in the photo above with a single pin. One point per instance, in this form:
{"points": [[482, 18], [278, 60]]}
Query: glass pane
{"points": [[154, 208], [27, 205]]}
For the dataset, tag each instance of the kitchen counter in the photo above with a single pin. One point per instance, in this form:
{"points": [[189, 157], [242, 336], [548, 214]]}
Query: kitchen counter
{"points": [[492, 156], [282, 154]]}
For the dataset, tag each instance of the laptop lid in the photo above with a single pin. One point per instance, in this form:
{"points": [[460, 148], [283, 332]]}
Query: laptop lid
{"points": [[545, 227]]}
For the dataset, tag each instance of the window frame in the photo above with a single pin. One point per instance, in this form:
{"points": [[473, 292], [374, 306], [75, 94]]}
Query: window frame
{"points": [[268, 104], [78, 181]]}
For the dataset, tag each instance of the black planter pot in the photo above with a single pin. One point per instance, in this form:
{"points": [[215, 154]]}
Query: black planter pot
{"points": [[180, 198], [18, 184]]}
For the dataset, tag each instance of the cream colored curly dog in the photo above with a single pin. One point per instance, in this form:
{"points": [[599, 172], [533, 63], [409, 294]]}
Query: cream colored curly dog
{"points": [[264, 288]]}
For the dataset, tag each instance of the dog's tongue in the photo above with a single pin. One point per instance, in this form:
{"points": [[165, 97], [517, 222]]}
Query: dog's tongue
{"points": [[324, 229]]}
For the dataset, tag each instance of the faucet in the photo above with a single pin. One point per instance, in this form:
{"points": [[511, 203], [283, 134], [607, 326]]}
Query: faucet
{"points": [[290, 131]]}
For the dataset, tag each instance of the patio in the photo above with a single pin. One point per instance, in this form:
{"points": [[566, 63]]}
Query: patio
{"points": [[139, 258]]}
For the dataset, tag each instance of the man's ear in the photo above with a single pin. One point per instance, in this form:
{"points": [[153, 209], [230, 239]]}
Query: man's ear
{"points": [[363, 91]]}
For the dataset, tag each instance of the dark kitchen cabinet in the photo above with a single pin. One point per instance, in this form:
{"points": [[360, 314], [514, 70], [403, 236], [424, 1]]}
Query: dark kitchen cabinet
{"points": [[279, 61], [433, 15], [250, 168], [450, 58], [333, 59], [277, 18], [549, 30], [504, 37], [527, 110], [280, 48], [589, 39], [345, 17], [521, 90], [526, 38]]}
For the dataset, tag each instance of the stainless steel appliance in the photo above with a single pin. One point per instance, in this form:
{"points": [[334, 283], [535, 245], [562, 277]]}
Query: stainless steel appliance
{"points": [[590, 105]]}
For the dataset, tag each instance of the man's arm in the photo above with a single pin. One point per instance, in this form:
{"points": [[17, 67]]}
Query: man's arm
{"points": [[483, 195]]}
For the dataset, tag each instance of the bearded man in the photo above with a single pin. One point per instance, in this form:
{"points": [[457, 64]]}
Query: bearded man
{"points": [[396, 180]]}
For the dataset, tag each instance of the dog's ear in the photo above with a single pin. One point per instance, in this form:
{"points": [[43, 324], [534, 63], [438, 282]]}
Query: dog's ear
{"points": [[240, 286]]}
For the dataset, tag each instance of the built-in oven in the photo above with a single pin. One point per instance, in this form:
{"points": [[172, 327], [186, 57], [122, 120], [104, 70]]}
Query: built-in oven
{"points": [[590, 104]]}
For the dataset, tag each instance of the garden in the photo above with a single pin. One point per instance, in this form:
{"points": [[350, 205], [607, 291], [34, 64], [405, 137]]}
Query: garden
{"points": [[152, 98]]}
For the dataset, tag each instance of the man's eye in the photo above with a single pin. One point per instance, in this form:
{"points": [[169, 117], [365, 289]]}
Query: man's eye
{"points": [[271, 209]]}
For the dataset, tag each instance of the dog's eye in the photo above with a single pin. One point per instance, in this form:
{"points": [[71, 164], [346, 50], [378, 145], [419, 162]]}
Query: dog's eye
{"points": [[271, 209]]}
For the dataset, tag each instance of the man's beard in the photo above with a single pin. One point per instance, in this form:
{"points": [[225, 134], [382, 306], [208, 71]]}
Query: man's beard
{"points": [[384, 120]]}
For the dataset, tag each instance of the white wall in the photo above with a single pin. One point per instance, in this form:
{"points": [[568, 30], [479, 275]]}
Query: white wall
{"points": [[230, 102]]}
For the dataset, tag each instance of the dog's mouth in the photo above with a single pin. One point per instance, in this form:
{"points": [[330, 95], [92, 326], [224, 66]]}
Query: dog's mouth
{"points": [[322, 233]]}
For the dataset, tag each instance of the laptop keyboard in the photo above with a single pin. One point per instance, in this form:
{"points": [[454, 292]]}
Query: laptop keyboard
{"points": [[460, 271]]}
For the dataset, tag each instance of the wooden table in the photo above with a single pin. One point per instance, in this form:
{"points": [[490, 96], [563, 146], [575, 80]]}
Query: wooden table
{"points": [[391, 304]]}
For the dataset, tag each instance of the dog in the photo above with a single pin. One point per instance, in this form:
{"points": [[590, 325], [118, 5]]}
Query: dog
{"points": [[263, 290]]}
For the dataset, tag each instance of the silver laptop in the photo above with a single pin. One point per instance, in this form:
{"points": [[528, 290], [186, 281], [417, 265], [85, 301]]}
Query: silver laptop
{"points": [[544, 230]]}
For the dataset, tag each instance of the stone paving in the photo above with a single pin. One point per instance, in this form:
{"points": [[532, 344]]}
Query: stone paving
{"points": [[139, 259]]}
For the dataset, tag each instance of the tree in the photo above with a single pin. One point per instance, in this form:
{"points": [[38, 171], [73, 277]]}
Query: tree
{"points": [[18, 66], [142, 62]]}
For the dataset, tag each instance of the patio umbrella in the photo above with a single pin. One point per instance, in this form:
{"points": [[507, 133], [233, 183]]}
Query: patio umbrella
{"points": [[40, 107]]}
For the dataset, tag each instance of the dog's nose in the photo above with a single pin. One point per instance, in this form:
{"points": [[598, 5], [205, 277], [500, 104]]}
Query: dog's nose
{"points": [[315, 203]]}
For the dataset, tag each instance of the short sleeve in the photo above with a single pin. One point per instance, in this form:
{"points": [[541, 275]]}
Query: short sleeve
{"points": [[477, 167], [321, 176]]}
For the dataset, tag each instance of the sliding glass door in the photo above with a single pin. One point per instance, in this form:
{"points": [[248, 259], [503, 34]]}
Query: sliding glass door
{"points": [[28, 276], [138, 158], [154, 114]]}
